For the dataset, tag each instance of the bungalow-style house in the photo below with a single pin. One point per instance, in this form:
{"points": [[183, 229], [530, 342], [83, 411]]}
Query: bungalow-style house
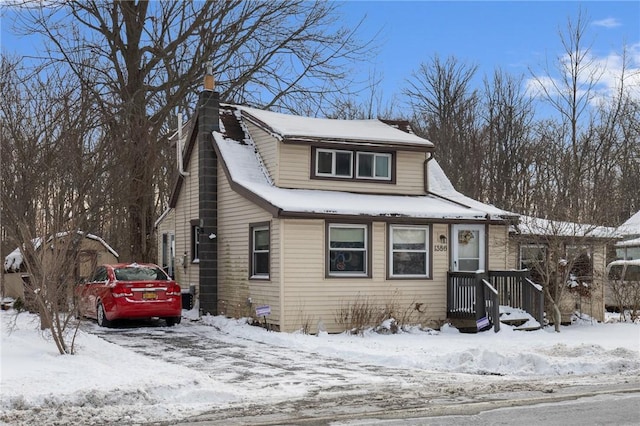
{"points": [[294, 219], [629, 246], [576, 252], [93, 251]]}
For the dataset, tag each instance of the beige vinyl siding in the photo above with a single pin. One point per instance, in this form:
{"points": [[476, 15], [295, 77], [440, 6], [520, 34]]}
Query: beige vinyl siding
{"points": [[268, 147], [295, 172], [166, 226], [592, 306], [513, 257], [310, 297], [238, 295], [596, 305], [437, 302], [498, 247], [187, 273]]}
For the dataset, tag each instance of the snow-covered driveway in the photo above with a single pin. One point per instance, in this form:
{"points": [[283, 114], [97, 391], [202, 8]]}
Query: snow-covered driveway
{"points": [[286, 380], [223, 371]]}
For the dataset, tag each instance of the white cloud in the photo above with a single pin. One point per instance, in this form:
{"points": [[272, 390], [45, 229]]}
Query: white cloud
{"points": [[607, 23], [607, 69]]}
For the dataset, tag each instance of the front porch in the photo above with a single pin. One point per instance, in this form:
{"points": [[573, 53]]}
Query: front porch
{"points": [[477, 296]]}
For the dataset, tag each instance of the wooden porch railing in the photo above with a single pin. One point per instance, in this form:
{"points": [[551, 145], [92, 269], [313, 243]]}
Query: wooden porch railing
{"points": [[516, 289], [492, 289], [471, 296]]}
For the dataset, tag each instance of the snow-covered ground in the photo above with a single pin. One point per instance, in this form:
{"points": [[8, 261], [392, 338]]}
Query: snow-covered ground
{"points": [[114, 383]]}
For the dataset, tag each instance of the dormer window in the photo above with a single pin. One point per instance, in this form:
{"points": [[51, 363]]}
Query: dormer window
{"points": [[334, 163], [373, 165], [354, 165]]}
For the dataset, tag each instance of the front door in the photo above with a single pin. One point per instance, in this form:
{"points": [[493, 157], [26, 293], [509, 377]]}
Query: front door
{"points": [[468, 248]]}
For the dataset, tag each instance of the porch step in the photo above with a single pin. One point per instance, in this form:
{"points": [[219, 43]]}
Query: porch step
{"points": [[518, 319]]}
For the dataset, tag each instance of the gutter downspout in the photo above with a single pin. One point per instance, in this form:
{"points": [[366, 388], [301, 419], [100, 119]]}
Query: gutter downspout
{"points": [[179, 148]]}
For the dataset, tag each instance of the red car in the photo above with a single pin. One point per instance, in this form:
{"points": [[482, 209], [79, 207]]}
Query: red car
{"points": [[130, 291]]}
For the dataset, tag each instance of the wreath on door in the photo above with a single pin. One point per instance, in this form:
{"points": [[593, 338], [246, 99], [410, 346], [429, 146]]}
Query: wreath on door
{"points": [[464, 237]]}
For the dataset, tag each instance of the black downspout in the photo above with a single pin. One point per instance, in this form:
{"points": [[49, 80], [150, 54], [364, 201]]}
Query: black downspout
{"points": [[208, 122]]}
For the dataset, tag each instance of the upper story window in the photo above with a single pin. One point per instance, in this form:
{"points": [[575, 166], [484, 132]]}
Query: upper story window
{"points": [[342, 164], [372, 165], [334, 163]]}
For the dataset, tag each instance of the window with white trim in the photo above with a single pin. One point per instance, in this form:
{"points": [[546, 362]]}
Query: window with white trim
{"points": [[348, 249], [195, 243], [408, 246], [334, 163], [260, 237], [373, 165]]}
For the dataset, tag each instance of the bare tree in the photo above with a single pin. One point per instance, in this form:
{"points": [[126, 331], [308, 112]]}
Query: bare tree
{"points": [[561, 259], [615, 163], [445, 110], [50, 164], [569, 88], [145, 58], [508, 117]]}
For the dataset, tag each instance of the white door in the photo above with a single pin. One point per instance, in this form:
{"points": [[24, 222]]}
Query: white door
{"points": [[468, 248]]}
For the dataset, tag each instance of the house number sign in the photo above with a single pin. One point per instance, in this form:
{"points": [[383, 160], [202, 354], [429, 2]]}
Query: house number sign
{"points": [[440, 247]]}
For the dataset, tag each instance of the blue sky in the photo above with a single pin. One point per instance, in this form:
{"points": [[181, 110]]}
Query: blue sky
{"points": [[513, 35]]}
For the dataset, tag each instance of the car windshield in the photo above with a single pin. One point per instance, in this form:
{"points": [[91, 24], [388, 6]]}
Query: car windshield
{"points": [[140, 273]]}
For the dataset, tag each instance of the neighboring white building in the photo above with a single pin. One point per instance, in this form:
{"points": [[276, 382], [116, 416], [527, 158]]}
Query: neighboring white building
{"points": [[629, 247]]}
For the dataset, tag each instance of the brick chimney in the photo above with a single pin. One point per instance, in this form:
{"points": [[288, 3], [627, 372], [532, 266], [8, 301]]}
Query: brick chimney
{"points": [[208, 122]]}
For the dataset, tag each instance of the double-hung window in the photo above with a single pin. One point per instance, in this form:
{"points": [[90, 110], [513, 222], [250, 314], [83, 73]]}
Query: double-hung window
{"points": [[260, 251], [195, 241], [354, 165], [348, 249], [373, 165], [334, 163], [409, 251]]}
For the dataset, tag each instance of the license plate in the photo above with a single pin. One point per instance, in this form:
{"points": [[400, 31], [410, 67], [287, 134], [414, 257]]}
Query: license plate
{"points": [[149, 295]]}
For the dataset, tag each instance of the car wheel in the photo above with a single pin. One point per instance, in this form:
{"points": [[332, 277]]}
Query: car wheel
{"points": [[102, 316], [171, 321]]}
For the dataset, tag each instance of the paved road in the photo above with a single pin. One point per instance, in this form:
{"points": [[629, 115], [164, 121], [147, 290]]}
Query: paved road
{"points": [[619, 409], [334, 391]]}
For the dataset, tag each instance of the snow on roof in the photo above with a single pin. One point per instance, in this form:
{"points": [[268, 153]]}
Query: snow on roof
{"points": [[635, 242], [631, 226], [440, 184], [245, 170], [14, 260], [536, 226], [288, 126]]}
